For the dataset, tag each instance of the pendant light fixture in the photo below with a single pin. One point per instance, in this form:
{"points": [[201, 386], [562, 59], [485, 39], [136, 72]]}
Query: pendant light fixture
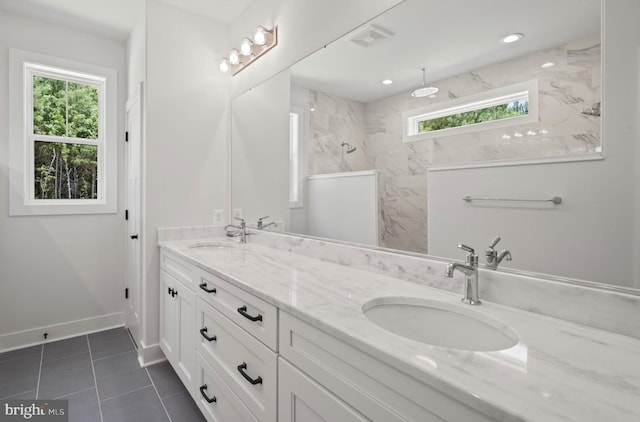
{"points": [[424, 91]]}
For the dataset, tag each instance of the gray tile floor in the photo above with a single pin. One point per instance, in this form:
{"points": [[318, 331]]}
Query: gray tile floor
{"points": [[100, 376]]}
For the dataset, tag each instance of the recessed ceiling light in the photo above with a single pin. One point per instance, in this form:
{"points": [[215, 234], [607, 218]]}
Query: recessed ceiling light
{"points": [[511, 38], [387, 82], [547, 65]]}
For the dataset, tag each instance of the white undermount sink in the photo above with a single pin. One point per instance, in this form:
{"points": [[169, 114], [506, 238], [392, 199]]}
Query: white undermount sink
{"points": [[440, 324], [211, 245]]}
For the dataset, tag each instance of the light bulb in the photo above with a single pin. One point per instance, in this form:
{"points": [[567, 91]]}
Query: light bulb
{"points": [[245, 48], [224, 66], [260, 37], [234, 57]]}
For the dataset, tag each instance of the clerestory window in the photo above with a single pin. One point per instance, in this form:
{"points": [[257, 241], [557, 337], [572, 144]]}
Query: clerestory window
{"points": [[508, 106]]}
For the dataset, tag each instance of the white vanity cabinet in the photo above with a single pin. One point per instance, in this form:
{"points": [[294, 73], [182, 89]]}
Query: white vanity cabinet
{"points": [[237, 343], [178, 318], [224, 342]]}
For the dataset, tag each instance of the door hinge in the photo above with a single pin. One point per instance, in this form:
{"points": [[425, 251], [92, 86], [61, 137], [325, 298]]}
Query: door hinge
{"points": [[126, 136], [126, 293], [126, 214]]}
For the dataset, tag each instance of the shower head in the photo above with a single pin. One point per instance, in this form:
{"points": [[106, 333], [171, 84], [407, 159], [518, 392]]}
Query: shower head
{"points": [[350, 148], [424, 90]]}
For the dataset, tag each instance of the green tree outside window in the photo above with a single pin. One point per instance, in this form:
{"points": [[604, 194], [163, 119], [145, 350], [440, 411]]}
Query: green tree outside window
{"points": [[65, 170]]}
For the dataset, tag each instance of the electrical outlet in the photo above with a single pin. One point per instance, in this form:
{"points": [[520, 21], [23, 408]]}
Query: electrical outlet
{"points": [[237, 213], [217, 217]]}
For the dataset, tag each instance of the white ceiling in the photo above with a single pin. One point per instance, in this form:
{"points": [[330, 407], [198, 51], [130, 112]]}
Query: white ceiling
{"points": [[115, 18], [448, 38]]}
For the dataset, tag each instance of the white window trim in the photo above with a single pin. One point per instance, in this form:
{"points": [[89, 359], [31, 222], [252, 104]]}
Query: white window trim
{"points": [[483, 99], [297, 157], [21, 200]]}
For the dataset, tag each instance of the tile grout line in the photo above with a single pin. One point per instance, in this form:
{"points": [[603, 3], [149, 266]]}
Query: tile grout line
{"points": [[158, 394], [95, 381], [128, 392], [40, 371], [75, 392], [113, 356]]}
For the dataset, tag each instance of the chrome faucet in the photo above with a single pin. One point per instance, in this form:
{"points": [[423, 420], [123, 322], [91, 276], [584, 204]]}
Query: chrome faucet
{"points": [[470, 270], [262, 226], [241, 230], [492, 256]]}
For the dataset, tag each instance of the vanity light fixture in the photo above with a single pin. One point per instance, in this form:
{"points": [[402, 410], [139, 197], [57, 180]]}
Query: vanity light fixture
{"points": [[251, 48], [511, 38]]}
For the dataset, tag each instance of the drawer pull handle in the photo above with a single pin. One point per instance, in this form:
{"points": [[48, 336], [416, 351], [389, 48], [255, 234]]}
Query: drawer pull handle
{"points": [[203, 286], [209, 400], [243, 311], [241, 369], [203, 331]]}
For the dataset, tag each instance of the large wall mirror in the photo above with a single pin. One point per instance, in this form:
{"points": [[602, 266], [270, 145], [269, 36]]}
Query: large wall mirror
{"points": [[325, 148]]}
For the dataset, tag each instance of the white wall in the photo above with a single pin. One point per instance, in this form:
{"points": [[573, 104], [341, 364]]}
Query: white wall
{"points": [[593, 234], [59, 274], [186, 142], [137, 54]]}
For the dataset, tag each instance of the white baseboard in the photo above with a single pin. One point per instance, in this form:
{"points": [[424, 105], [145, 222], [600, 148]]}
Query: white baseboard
{"points": [[35, 336], [149, 355]]}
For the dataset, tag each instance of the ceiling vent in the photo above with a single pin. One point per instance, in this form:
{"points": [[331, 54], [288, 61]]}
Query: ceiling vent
{"points": [[370, 35]]}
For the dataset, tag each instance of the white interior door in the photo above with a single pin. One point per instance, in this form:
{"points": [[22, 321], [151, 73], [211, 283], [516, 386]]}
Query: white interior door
{"points": [[133, 214]]}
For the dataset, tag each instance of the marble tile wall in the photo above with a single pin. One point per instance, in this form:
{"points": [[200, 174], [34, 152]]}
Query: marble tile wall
{"points": [[565, 90], [333, 121]]}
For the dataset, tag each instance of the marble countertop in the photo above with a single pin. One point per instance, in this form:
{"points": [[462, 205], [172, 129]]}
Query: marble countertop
{"points": [[559, 370]]}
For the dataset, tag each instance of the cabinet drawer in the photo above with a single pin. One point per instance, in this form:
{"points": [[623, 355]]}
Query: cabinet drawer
{"points": [[256, 316], [245, 364], [225, 406], [182, 270], [301, 399]]}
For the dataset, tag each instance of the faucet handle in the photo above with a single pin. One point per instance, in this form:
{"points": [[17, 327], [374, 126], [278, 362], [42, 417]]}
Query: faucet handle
{"points": [[494, 242], [466, 248], [263, 218], [239, 219]]}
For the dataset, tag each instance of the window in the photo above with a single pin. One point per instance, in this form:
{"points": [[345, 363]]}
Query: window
{"points": [[295, 158], [63, 125], [508, 106]]}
